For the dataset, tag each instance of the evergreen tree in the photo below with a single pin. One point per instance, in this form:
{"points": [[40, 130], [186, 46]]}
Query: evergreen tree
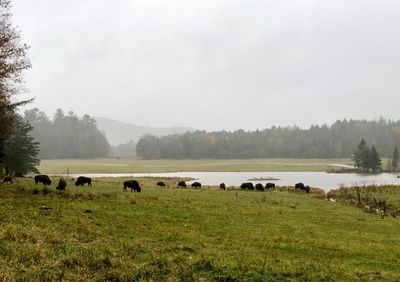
{"points": [[21, 151], [375, 162], [13, 61], [67, 136], [367, 159], [361, 155], [148, 147], [395, 159]]}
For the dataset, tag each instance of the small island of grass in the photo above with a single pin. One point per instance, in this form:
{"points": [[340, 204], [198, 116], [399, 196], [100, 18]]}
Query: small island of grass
{"points": [[263, 179]]}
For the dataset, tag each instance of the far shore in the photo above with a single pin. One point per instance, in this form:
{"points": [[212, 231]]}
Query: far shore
{"points": [[125, 165]]}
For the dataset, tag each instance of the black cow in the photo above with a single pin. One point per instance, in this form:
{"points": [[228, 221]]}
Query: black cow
{"points": [[160, 184], [301, 186], [222, 186], [182, 184], [269, 185], [7, 179], [61, 184], [83, 180], [259, 187], [133, 184], [42, 178], [196, 185], [247, 185]]}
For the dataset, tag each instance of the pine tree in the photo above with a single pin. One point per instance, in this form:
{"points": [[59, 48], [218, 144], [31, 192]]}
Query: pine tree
{"points": [[361, 155], [367, 159], [375, 162], [20, 151], [395, 159]]}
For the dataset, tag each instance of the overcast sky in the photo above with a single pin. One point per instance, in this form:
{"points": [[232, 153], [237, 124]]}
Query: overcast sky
{"points": [[214, 64]]}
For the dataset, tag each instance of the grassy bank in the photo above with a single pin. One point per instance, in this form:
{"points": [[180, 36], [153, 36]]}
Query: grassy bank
{"points": [[170, 234], [384, 200], [132, 165]]}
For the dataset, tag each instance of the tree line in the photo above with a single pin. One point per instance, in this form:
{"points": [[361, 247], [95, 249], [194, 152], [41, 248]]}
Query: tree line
{"points": [[124, 150], [67, 135], [338, 140]]}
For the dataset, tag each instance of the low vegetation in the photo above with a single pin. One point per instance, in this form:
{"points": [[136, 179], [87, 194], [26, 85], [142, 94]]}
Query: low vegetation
{"points": [[170, 234], [384, 200]]}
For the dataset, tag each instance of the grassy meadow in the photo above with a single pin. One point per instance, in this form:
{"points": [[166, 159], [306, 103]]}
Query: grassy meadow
{"points": [[168, 234], [115, 165]]}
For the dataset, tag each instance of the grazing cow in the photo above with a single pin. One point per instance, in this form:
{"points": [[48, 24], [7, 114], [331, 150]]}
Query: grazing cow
{"points": [[8, 179], [196, 185], [301, 186], [259, 187], [160, 184], [61, 184], [133, 184], [182, 184], [222, 186], [269, 185], [81, 180], [247, 185], [42, 178]]}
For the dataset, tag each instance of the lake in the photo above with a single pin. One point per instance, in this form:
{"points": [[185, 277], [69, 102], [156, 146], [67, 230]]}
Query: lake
{"points": [[323, 180]]}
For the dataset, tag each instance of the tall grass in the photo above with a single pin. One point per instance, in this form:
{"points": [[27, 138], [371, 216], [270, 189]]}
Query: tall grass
{"points": [[383, 199]]}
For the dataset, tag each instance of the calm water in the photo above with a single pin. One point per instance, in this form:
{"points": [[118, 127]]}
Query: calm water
{"points": [[326, 181]]}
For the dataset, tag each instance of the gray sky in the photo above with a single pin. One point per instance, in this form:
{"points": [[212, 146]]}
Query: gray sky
{"points": [[214, 64]]}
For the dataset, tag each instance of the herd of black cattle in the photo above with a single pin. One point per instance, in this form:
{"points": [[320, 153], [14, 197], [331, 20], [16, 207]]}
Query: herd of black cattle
{"points": [[134, 185]]}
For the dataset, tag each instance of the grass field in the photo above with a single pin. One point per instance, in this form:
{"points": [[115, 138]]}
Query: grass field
{"points": [[132, 165], [169, 234]]}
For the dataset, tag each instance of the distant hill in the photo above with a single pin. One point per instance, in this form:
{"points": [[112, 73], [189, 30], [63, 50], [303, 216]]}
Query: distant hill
{"points": [[118, 132]]}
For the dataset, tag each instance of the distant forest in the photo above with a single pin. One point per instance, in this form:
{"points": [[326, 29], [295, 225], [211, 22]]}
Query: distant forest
{"points": [[338, 140], [67, 135]]}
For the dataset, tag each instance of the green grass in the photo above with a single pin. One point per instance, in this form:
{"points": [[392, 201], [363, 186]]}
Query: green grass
{"points": [[132, 165], [169, 234]]}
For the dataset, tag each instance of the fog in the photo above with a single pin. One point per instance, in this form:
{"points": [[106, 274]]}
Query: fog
{"points": [[214, 64]]}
